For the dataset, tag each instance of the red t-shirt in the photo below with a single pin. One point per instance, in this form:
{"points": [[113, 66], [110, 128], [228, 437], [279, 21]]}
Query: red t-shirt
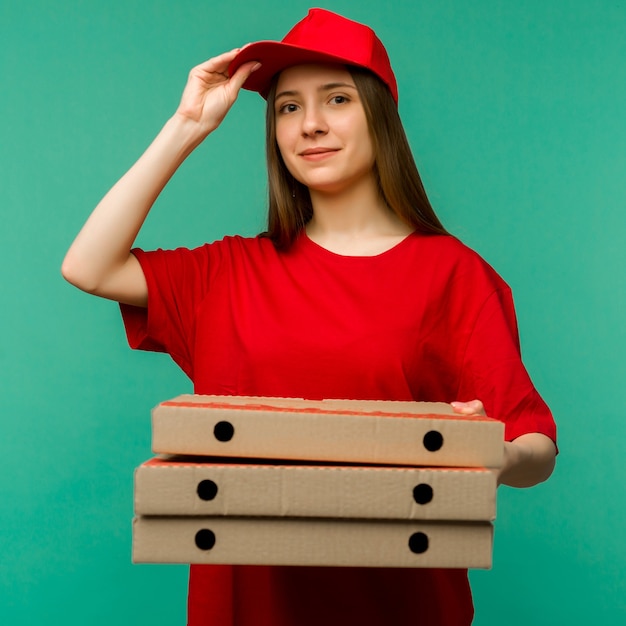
{"points": [[426, 320]]}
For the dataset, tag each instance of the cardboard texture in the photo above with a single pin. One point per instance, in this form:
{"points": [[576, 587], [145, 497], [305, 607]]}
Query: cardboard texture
{"points": [[373, 432], [221, 488], [341, 495], [270, 541]]}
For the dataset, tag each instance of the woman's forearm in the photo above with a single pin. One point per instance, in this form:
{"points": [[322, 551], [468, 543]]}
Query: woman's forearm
{"points": [[102, 247], [528, 460]]}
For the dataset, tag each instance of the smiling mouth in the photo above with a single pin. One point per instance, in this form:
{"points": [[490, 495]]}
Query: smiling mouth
{"points": [[318, 153]]}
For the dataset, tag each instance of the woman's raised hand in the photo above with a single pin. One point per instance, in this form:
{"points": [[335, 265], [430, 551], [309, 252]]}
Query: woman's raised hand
{"points": [[210, 91]]}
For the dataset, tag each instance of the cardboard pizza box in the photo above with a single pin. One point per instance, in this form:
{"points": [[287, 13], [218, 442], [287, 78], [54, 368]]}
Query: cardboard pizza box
{"points": [[373, 432], [313, 542], [234, 487]]}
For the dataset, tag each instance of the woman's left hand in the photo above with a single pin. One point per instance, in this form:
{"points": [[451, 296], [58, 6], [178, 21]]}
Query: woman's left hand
{"points": [[528, 460], [474, 407]]}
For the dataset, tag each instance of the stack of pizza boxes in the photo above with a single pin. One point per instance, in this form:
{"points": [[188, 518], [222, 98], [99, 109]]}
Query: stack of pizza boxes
{"points": [[275, 481]]}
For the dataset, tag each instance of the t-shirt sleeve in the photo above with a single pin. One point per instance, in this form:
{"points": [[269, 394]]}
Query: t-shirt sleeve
{"points": [[177, 283], [493, 371]]}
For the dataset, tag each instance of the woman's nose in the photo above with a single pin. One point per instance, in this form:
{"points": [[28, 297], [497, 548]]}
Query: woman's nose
{"points": [[314, 122]]}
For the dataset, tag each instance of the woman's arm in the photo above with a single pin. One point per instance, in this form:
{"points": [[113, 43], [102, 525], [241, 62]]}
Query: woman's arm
{"points": [[99, 260], [528, 459]]}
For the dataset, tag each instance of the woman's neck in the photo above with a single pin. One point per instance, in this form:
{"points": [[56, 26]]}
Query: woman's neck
{"points": [[355, 221]]}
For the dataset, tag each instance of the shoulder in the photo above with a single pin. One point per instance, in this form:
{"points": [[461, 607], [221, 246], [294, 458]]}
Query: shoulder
{"points": [[230, 246], [446, 246], [448, 258], [236, 250], [235, 244]]}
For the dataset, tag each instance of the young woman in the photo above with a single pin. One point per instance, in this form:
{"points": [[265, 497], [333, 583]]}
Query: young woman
{"points": [[355, 291]]}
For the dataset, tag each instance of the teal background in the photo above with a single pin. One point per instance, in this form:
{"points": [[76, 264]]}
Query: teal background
{"points": [[516, 115]]}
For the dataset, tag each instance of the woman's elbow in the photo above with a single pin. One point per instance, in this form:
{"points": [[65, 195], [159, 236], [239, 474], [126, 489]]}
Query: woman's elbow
{"points": [[529, 460], [74, 273]]}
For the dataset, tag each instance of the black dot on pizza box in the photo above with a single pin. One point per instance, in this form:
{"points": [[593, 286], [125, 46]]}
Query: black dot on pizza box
{"points": [[207, 490], [418, 543], [422, 493], [205, 539], [433, 440], [224, 431]]}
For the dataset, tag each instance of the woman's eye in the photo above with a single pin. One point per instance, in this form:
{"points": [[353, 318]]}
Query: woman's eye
{"points": [[287, 108], [339, 99]]}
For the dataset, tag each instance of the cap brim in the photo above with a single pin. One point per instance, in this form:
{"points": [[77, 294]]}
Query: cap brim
{"points": [[275, 56]]}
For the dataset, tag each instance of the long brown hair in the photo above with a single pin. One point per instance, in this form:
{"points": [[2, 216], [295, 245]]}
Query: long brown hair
{"points": [[399, 182]]}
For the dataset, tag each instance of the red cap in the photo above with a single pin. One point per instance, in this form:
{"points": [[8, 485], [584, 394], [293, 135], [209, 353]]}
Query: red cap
{"points": [[321, 37]]}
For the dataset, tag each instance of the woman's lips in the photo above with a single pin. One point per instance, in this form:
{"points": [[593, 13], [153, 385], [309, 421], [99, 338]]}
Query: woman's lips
{"points": [[317, 154]]}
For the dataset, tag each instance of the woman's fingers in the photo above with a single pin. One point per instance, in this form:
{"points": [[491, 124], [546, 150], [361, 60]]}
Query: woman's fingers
{"points": [[242, 73], [214, 71], [219, 63], [216, 68], [210, 91], [474, 407]]}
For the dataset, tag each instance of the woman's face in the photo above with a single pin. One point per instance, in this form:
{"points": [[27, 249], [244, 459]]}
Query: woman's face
{"points": [[321, 128]]}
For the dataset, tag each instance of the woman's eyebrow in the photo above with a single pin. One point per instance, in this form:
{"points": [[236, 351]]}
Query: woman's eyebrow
{"points": [[288, 94], [329, 86], [326, 87]]}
